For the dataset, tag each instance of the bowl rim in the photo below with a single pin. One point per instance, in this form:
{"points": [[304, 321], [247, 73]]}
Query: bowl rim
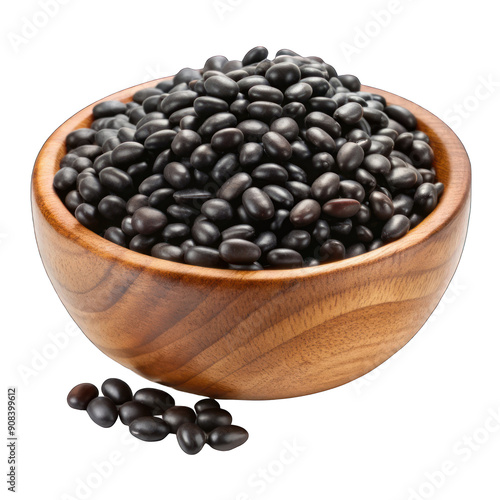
{"points": [[447, 146]]}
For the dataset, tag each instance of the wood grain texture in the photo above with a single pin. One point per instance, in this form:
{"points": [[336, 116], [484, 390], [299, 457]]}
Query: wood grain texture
{"points": [[253, 335]]}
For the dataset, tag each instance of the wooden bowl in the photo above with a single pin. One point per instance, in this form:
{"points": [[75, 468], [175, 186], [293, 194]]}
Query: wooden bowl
{"points": [[261, 334]]}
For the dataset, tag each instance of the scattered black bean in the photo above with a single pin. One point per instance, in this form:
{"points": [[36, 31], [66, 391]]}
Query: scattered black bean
{"points": [[102, 411], [227, 437], [149, 428], [81, 395]]}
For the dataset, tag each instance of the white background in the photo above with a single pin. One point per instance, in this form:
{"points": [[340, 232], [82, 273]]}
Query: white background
{"points": [[383, 437]]}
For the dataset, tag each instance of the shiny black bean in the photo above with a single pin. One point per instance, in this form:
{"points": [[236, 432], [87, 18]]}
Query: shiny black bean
{"points": [[178, 415], [217, 210], [349, 113], [204, 157], [376, 118], [176, 232], [116, 236], [325, 187], [206, 233], [112, 207], [297, 239], [321, 231], [366, 179], [126, 226], [239, 109], [147, 220], [91, 190], [283, 75], [355, 250], [103, 135], [421, 154], [116, 181], [342, 228], [381, 206], [295, 110], [299, 92], [280, 196], [226, 140], [352, 189], [284, 258], [160, 141], [322, 162], [404, 142], [215, 63], [264, 111], [341, 208], [322, 104], [245, 84], [251, 154], [186, 75], [212, 418], [225, 168], [203, 256], [319, 85], [331, 251], [185, 142], [320, 140], [149, 128], [141, 95], [350, 81], [402, 115], [80, 137], [299, 190], [126, 154], [253, 130], [305, 212], [255, 55], [425, 199], [239, 231], [363, 234], [191, 196], [420, 136], [217, 122], [266, 241], [177, 175], [381, 144], [149, 428], [377, 164], [108, 108], [403, 204], [161, 198], [65, 179], [401, 178], [270, 173], [102, 411], [81, 395], [228, 437], [238, 251], [117, 390], [191, 438], [396, 227], [176, 101], [258, 204], [234, 187], [155, 399], [323, 121], [221, 87], [132, 410], [72, 200], [142, 243], [265, 93], [206, 106], [286, 127]]}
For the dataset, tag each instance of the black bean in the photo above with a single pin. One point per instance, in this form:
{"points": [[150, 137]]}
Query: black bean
{"points": [[299, 190], [238, 251], [161, 198], [126, 154], [381, 205], [72, 200], [264, 111], [322, 162], [191, 438], [349, 113], [253, 130], [401, 178], [320, 139], [270, 173], [206, 106], [142, 243], [226, 438], [102, 411], [377, 164], [323, 104], [425, 199], [305, 212], [117, 390], [167, 251], [376, 118], [147, 220], [205, 233], [81, 395], [286, 127], [421, 154], [295, 110], [266, 241], [234, 186], [178, 415], [403, 204], [321, 231], [351, 82], [280, 196], [352, 189], [276, 146], [203, 256], [258, 204], [222, 87], [91, 190], [341, 208], [396, 227], [206, 404], [282, 75], [80, 137], [191, 196], [65, 179], [245, 84], [155, 399], [331, 251], [112, 207], [355, 250], [217, 122], [280, 223], [217, 210], [239, 231], [299, 92], [265, 93], [108, 108], [325, 187], [255, 55], [212, 418], [149, 428], [285, 258], [402, 115], [116, 180], [176, 101], [297, 239], [185, 142], [323, 121], [116, 236], [177, 175], [132, 410], [203, 157], [228, 139], [251, 154]]}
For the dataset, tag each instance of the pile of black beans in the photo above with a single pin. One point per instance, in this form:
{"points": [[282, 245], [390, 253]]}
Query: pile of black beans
{"points": [[207, 423], [251, 164]]}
